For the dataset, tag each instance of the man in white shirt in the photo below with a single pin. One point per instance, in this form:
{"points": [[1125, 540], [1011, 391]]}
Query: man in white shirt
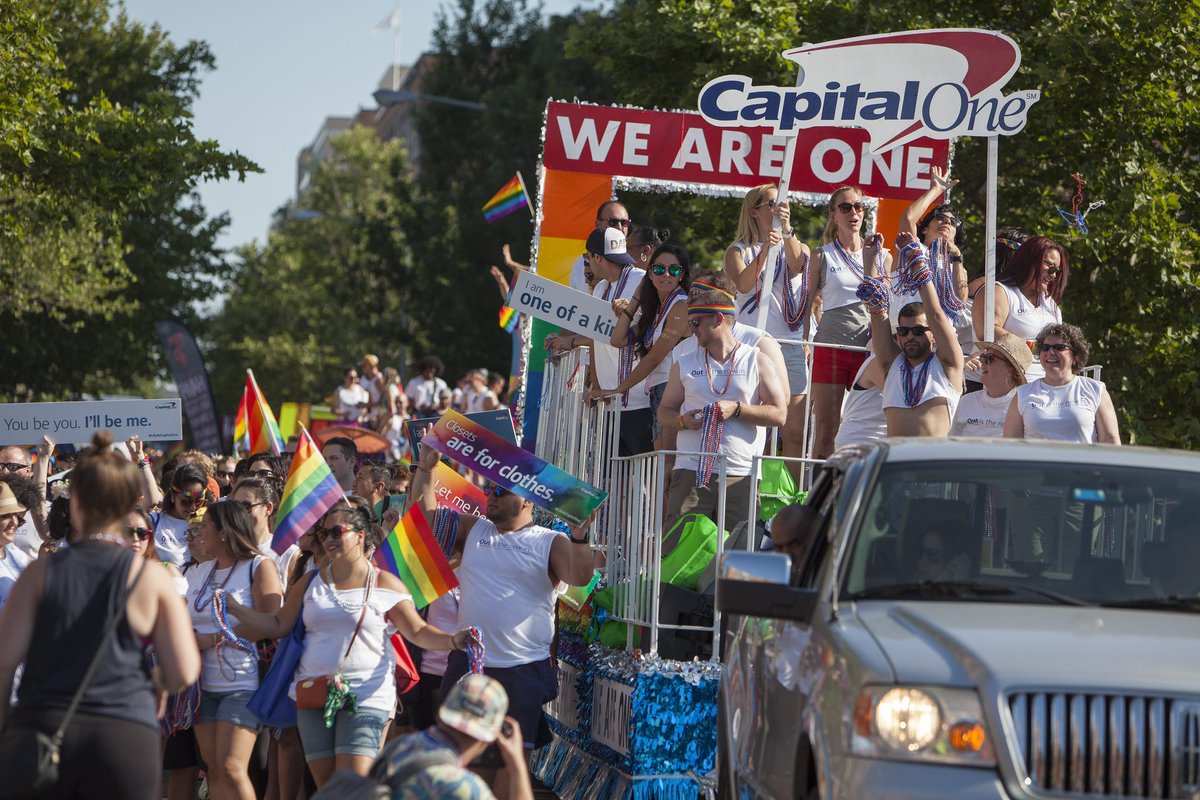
{"points": [[350, 400], [425, 389], [508, 577]]}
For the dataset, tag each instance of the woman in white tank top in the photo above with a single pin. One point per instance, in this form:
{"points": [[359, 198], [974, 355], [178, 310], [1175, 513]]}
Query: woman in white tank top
{"points": [[1063, 406], [777, 294], [1029, 288]]}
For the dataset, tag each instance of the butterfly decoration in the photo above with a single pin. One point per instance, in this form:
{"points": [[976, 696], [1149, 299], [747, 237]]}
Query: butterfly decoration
{"points": [[1076, 218]]}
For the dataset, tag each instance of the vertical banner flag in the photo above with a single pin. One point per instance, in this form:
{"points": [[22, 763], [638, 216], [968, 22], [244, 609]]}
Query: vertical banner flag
{"points": [[187, 367], [310, 491], [411, 553], [260, 421], [511, 197]]}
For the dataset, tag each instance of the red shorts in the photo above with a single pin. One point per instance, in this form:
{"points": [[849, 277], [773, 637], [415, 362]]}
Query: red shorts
{"points": [[833, 365]]}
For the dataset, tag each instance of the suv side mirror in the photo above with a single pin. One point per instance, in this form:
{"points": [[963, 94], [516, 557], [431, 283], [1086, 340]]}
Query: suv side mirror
{"points": [[756, 585]]}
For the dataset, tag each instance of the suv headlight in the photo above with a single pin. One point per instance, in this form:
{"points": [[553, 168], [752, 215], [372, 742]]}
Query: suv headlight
{"points": [[922, 722]]}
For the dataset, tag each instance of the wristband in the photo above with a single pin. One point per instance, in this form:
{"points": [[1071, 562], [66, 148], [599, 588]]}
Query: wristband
{"points": [[584, 540], [143, 462], [789, 233], [627, 312], [737, 412], [681, 425]]}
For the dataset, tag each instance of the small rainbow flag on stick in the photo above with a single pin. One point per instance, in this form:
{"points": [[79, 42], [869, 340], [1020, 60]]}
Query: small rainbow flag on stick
{"points": [[509, 318], [511, 197], [310, 491], [256, 420], [412, 554]]}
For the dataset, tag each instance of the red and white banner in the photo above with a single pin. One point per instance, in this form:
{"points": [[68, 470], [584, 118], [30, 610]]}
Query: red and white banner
{"points": [[681, 146]]}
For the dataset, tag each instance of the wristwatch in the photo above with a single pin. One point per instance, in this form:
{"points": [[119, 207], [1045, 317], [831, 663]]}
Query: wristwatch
{"points": [[789, 233]]}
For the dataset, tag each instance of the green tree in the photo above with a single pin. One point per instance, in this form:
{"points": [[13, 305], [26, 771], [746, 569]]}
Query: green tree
{"points": [[331, 283], [1119, 84], [105, 231]]}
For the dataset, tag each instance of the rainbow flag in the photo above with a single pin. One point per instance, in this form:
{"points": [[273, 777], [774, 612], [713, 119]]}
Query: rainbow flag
{"points": [[310, 491], [511, 197], [412, 553], [256, 420], [509, 319]]}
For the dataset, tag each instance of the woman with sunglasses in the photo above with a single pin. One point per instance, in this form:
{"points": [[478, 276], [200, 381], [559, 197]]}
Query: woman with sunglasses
{"points": [[1063, 406], [188, 491], [56, 619], [837, 271], [344, 639], [226, 729], [662, 299], [260, 497], [783, 286], [1029, 287], [1002, 368]]}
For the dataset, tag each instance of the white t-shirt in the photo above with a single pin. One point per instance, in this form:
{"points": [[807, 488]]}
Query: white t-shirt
{"points": [[370, 667], [507, 594], [424, 393], [474, 401], [229, 669], [1026, 320], [26, 538], [1061, 413], [662, 373], [773, 288], [843, 275], [740, 440], [349, 399], [169, 541], [979, 414], [937, 385], [578, 281], [607, 358], [863, 419], [11, 566], [443, 614]]}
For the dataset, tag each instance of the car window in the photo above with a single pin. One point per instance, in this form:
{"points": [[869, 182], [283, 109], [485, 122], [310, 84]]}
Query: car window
{"points": [[1037, 532]]}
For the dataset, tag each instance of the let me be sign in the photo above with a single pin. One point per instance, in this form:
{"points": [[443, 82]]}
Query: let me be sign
{"points": [[561, 305], [152, 420]]}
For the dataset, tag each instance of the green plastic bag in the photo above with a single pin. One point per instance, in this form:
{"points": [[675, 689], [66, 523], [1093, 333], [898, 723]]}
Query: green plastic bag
{"points": [[696, 537], [776, 489]]}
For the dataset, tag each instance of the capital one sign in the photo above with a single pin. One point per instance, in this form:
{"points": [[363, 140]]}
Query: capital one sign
{"points": [[897, 87]]}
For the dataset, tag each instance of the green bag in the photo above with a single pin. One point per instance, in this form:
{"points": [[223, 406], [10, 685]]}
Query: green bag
{"points": [[693, 545], [776, 489]]}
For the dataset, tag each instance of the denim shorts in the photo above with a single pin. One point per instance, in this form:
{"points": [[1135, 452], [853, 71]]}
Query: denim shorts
{"points": [[358, 734], [228, 707], [796, 361], [656, 396]]}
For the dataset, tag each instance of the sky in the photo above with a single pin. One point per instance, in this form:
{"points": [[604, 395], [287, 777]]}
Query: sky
{"points": [[282, 68]]}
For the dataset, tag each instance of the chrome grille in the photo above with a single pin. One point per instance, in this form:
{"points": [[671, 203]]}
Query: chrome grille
{"points": [[1109, 745]]}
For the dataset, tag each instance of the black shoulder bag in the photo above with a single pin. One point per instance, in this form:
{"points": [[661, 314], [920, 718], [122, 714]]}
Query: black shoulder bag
{"points": [[29, 759]]}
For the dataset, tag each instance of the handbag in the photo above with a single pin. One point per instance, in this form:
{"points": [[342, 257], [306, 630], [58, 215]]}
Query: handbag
{"points": [[313, 692], [29, 759], [407, 675], [271, 703]]}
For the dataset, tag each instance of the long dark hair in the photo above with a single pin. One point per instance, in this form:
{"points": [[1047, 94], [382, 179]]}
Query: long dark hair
{"points": [[1024, 265], [650, 302]]}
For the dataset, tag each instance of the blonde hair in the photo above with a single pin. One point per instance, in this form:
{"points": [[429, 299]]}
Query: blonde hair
{"points": [[747, 228], [831, 226]]}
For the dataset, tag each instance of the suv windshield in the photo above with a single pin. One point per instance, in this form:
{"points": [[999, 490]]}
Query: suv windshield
{"points": [[1029, 533]]}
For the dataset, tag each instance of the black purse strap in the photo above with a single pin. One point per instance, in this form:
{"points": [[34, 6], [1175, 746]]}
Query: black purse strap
{"points": [[109, 632]]}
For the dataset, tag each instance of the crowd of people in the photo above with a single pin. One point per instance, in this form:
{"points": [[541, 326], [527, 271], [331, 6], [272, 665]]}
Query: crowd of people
{"points": [[205, 632]]}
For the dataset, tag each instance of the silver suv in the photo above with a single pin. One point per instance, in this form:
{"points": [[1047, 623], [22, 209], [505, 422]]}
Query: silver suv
{"points": [[973, 619]]}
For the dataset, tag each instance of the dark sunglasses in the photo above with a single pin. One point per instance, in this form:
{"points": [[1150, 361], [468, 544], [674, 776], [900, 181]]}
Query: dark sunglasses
{"points": [[948, 218], [259, 473], [498, 491], [1057, 347], [12, 466], [614, 222], [1054, 272], [193, 499], [141, 534], [246, 504], [768, 204], [335, 532], [915, 330], [931, 554], [987, 358], [846, 208], [225, 474], [675, 270]]}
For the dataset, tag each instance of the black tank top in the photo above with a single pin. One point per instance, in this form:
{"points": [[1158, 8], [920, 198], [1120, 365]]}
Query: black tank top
{"points": [[81, 592]]}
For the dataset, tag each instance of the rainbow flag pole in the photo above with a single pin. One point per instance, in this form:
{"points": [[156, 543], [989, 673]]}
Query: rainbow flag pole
{"points": [[411, 553], [310, 491], [260, 422], [512, 196]]}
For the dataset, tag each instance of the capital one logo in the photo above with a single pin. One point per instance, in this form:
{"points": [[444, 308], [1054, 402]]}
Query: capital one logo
{"points": [[896, 86]]}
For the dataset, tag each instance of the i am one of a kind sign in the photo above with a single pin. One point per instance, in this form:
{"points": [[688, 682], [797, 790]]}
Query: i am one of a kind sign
{"points": [[874, 111]]}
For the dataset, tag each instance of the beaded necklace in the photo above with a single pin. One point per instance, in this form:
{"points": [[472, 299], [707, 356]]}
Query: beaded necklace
{"points": [[333, 590], [914, 390], [620, 284], [111, 538], [795, 303], [728, 375], [711, 429], [200, 600], [649, 336], [844, 256]]}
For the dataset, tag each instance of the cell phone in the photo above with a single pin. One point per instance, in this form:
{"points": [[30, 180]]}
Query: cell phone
{"points": [[506, 729]]}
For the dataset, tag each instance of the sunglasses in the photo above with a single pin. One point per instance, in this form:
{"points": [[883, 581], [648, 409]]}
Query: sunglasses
{"points": [[259, 473], [615, 222], [768, 204], [1057, 347], [932, 554], [696, 319], [915, 330], [675, 270], [988, 358], [335, 532], [12, 467], [246, 504], [948, 218], [1054, 272], [846, 208], [225, 474], [498, 491], [193, 499], [141, 534]]}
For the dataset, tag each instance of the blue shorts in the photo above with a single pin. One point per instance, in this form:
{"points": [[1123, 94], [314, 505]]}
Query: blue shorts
{"points": [[358, 734], [796, 361], [529, 687], [228, 707], [656, 395]]}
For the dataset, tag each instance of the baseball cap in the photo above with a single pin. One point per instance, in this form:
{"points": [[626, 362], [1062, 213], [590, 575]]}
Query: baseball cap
{"points": [[610, 243], [475, 706]]}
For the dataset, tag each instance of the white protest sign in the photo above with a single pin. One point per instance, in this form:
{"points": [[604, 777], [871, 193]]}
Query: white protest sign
{"points": [[897, 86], [152, 420], [561, 305]]}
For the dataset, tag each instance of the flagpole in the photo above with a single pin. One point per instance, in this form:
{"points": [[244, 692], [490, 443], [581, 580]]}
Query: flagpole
{"points": [[528, 199]]}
